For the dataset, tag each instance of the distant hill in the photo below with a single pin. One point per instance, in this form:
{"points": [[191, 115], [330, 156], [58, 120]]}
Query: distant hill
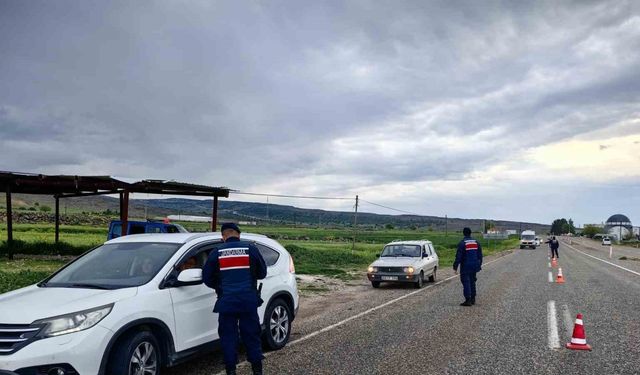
{"points": [[261, 212]]}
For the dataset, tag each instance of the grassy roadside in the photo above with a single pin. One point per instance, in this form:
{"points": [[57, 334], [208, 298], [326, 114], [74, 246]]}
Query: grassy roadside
{"points": [[316, 251], [337, 260], [20, 273]]}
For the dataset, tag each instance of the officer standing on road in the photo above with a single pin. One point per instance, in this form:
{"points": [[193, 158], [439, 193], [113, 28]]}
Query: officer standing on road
{"points": [[554, 245], [233, 270], [469, 258]]}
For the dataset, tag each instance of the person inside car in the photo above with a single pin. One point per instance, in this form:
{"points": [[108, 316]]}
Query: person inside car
{"points": [[188, 264]]}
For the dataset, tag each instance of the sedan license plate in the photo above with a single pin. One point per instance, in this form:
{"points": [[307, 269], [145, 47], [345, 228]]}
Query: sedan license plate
{"points": [[390, 278]]}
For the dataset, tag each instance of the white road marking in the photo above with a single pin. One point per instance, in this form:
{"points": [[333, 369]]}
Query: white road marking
{"points": [[549, 264], [366, 312], [550, 277], [552, 326], [602, 260]]}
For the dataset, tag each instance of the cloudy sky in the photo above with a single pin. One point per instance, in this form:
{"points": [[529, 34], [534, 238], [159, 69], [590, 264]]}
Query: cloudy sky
{"points": [[483, 109]]}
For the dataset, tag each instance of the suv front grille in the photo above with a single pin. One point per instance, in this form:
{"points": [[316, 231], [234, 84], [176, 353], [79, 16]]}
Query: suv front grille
{"points": [[390, 269], [16, 336]]}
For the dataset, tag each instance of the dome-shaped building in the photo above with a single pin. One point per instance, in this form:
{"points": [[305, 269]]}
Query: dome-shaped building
{"points": [[619, 226]]}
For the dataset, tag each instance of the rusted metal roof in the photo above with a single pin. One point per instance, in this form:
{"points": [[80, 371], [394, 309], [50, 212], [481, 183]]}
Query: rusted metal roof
{"points": [[66, 185], [177, 188]]}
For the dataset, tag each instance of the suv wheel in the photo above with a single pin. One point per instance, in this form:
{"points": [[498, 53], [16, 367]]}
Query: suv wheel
{"points": [[375, 284], [278, 321], [432, 278], [418, 284], [137, 354]]}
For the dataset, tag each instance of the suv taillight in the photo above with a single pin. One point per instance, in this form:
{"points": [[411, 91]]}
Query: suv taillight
{"points": [[292, 268]]}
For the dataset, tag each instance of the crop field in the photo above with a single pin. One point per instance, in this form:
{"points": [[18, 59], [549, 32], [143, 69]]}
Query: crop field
{"points": [[318, 251]]}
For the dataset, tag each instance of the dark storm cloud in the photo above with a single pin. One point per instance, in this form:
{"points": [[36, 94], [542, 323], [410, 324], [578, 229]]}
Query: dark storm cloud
{"points": [[383, 91]]}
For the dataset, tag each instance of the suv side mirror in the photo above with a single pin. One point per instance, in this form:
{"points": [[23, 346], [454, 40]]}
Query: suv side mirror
{"points": [[191, 276], [424, 254]]}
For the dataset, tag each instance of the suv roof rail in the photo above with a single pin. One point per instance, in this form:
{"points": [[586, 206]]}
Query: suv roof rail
{"points": [[198, 235]]}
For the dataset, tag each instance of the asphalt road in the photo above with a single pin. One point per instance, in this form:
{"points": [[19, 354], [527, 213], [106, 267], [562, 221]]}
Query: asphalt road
{"points": [[520, 324]]}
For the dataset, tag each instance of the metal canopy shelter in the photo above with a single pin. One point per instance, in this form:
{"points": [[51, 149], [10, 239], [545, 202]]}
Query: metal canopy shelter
{"points": [[64, 186]]}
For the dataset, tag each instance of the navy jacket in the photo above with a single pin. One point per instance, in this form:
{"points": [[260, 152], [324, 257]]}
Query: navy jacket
{"points": [[468, 256], [233, 270]]}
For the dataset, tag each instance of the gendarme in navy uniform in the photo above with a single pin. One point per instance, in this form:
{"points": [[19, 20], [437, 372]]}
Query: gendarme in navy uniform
{"points": [[469, 258], [233, 270]]}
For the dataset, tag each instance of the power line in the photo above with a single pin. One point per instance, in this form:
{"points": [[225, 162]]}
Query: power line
{"points": [[391, 208], [289, 196]]}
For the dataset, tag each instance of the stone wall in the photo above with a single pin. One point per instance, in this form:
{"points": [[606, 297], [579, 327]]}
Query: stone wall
{"points": [[20, 217]]}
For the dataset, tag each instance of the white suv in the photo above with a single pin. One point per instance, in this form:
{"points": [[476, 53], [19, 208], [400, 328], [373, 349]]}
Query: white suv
{"points": [[132, 306]]}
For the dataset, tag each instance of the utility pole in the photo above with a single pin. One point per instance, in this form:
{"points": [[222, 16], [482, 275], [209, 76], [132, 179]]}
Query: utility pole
{"points": [[355, 226], [446, 223]]}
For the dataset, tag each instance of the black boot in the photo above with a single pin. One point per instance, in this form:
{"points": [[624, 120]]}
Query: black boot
{"points": [[473, 300], [256, 368], [467, 302]]}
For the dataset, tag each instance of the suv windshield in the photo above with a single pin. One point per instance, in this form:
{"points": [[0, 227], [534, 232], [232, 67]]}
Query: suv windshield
{"points": [[114, 266], [529, 237], [401, 251]]}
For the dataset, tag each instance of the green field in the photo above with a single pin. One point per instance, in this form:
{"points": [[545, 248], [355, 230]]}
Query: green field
{"points": [[320, 251]]}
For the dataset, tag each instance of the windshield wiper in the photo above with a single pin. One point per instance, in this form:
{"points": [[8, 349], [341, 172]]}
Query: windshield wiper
{"points": [[90, 286]]}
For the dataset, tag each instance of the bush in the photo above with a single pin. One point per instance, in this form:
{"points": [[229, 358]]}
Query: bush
{"points": [[42, 248], [45, 209], [11, 281]]}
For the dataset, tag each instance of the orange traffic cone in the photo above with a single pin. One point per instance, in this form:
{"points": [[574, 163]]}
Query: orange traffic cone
{"points": [[560, 278], [578, 339], [554, 262]]}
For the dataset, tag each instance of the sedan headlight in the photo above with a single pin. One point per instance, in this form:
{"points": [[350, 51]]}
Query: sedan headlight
{"points": [[408, 270], [74, 322]]}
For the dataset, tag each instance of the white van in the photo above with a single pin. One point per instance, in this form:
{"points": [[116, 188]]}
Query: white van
{"points": [[528, 239]]}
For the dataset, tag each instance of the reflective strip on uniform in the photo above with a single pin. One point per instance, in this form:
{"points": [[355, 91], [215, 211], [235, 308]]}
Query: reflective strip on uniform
{"points": [[234, 262]]}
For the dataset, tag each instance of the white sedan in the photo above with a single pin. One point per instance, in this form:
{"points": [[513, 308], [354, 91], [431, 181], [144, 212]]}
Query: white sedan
{"points": [[405, 261]]}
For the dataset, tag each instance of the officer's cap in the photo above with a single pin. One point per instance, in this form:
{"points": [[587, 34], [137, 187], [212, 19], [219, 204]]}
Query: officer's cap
{"points": [[226, 226]]}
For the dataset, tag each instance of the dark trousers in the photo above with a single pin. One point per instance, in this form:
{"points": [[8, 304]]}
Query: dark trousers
{"points": [[468, 284], [554, 253], [250, 331]]}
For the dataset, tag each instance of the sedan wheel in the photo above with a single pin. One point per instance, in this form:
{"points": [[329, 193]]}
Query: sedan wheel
{"points": [[418, 284]]}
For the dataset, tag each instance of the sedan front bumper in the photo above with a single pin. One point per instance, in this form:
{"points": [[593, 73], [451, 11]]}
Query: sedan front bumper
{"points": [[393, 277]]}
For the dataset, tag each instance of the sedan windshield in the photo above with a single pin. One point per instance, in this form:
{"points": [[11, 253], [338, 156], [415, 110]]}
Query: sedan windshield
{"points": [[114, 266], [401, 251]]}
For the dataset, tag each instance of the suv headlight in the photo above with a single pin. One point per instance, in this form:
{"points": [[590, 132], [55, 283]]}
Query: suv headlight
{"points": [[74, 322], [408, 270], [372, 269]]}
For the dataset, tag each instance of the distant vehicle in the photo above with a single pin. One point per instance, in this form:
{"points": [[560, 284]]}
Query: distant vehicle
{"points": [[139, 227], [528, 239], [132, 306], [405, 262], [606, 241]]}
